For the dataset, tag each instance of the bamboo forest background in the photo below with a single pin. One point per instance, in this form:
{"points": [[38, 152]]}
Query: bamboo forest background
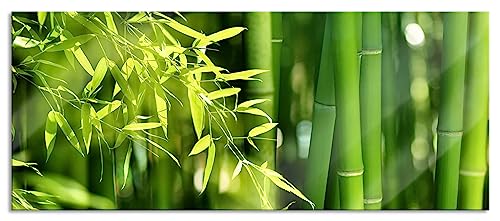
{"points": [[274, 110]]}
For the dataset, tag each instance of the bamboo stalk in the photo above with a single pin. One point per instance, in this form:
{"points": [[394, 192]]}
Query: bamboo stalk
{"points": [[451, 109], [323, 125], [346, 73], [389, 106], [371, 101], [473, 158]]}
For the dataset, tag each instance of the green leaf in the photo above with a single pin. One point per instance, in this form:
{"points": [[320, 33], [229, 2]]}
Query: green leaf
{"points": [[70, 43], [226, 92], [237, 169], [282, 183], [183, 29], [125, 87], [254, 111], [108, 109], [208, 166], [197, 112], [256, 131], [221, 35], [99, 74], [126, 166], [41, 17], [24, 42], [137, 18], [18, 163], [94, 119], [250, 103], [161, 108], [83, 60], [86, 126], [250, 141], [50, 133], [51, 64], [242, 75], [110, 22], [201, 145], [68, 132], [127, 69], [141, 126]]}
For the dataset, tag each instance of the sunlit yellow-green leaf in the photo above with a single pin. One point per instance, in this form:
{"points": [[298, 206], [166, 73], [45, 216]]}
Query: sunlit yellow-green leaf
{"points": [[110, 22], [242, 75], [141, 126], [254, 111], [184, 29], [226, 92], [68, 132], [197, 112], [70, 43], [201, 145], [282, 183], [86, 126], [250, 141], [126, 166], [125, 87], [161, 108], [137, 18], [108, 109], [50, 133], [83, 60], [127, 69], [256, 131], [221, 35], [250, 103], [18, 163], [99, 74], [208, 166], [237, 169], [41, 17], [24, 42], [94, 119]]}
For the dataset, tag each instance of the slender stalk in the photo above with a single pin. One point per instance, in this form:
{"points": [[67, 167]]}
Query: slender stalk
{"points": [[323, 125], [389, 107], [473, 158], [346, 71], [371, 108], [258, 50], [451, 109]]}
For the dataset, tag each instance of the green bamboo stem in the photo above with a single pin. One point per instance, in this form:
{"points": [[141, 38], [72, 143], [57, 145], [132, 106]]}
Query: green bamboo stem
{"points": [[277, 42], [389, 114], [323, 125], [473, 158], [371, 101], [346, 73], [451, 109]]}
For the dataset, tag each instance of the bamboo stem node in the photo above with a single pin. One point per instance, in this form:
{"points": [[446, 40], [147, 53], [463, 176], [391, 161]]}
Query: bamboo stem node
{"points": [[472, 173], [458, 133], [373, 200], [369, 52], [350, 173]]}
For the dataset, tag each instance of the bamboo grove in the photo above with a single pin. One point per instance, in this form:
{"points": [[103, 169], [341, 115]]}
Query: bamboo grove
{"points": [[253, 110]]}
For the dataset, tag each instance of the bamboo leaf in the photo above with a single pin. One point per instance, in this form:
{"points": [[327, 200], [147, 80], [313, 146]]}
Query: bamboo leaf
{"points": [[94, 119], [137, 18], [250, 103], [125, 87], [51, 64], [50, 133], [83, 60], [141, 126], [282, 183], [127, 69], [68, 132], [70, 43], [208, 166], [197, 112], [18, 163], [161, 148], [108, 109], [250, 141], [110, 22], [242, 75], [183, 29], [41, 17], [221, 35], [237, 169], [256, 131], [99, 74], [86, 126], [254, 111], [226, 92], [126, 166], [24, 42], [161, 108], [201, 145]]}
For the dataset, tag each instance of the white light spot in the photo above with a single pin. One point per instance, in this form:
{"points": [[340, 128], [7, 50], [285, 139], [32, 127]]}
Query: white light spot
{"points": [[224, 181], [420, 149], [279, 138], [198, 179], [414, 34], [303, 131], [419, 89]]}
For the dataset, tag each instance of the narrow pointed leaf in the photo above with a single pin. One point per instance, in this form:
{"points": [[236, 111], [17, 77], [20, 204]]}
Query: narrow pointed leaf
{"points": [[68, 132], [137, 18], [125, 87], [197, 112], [208, 166], [99, 74], [161, 108], [201, 145], [110, 22], [184, 29], [108, 109], [242, 75], [141, 126], [250, 103], [126, 166], [226, 92], [83, 60], [254, 111], [41, 17], [50, 133], [256, 131], [221, 35], [86, 126], [70, 43], [282, 183], [94, 119], [24, 42], [237, 169]]}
